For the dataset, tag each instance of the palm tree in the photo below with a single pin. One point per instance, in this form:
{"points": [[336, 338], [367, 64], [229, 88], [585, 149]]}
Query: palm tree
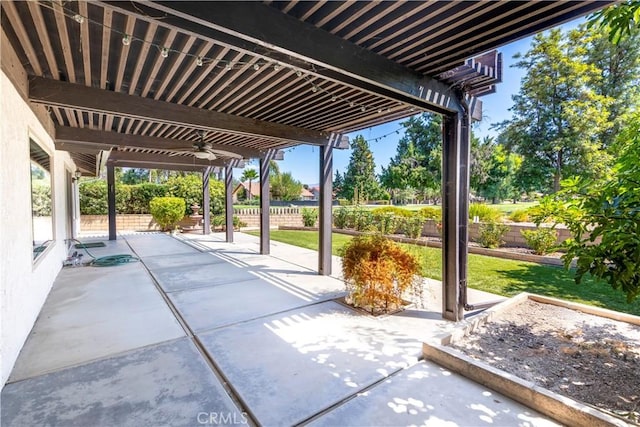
{"points": [[249, 175]]}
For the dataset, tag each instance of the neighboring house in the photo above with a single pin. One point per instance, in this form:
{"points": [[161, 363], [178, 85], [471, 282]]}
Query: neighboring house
{"points": [[316, 192], [307, 195], [241, 192]]}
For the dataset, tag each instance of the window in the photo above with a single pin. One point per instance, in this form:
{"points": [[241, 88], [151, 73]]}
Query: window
{"points": [[41, 200]]}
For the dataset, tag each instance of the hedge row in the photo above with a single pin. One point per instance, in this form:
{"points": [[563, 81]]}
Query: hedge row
{"points": [[134, 199]]}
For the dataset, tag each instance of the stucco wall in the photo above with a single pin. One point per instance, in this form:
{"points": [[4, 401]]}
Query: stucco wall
{"points": [[24, 285]]}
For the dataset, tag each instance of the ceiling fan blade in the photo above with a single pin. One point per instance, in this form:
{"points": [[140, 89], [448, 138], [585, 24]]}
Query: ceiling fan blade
{"points": [[226, 153]]}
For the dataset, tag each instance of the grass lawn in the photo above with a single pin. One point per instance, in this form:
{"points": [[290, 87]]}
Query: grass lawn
{"points": [[496, 275]]}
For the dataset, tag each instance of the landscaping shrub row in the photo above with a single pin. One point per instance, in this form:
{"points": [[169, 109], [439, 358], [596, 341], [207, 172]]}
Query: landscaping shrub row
{"points": [[395, 220], [135, 199]]}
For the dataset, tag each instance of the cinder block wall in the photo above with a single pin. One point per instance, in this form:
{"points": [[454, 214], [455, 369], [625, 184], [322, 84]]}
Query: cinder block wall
{"points": [[513, 238], [143, 222], [291, 217]]}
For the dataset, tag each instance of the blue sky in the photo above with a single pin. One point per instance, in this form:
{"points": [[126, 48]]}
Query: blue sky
{"points": [[302, 161]]}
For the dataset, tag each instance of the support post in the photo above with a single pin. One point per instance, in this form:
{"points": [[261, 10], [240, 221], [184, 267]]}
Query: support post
{"points": [[451, 275], [76, 208], [228, 202], [111, 200], [206, 202], [464, 170], [325, 218], [265, 241]]}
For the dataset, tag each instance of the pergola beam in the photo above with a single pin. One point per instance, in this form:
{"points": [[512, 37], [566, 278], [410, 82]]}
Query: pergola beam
{"points": [[72, 139], [139, 165], [257, 29], [68, 95], [156, 161]]}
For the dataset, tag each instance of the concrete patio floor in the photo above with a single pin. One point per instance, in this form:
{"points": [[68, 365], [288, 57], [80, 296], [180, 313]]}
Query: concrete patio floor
{"points": [[202, 332]]}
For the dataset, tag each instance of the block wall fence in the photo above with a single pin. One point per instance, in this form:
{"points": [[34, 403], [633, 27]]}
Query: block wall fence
{"points": [[288, 217]]}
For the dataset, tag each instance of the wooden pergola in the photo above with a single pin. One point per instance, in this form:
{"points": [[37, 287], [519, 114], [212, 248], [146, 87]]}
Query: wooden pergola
{"points": [[129, 82]]}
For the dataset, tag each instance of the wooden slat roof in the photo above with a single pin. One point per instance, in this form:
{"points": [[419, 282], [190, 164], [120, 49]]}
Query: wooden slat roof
{"points": [[429, 38]]}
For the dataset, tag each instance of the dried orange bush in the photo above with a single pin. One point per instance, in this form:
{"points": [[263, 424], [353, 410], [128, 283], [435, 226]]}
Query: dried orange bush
{"points": [[377, 272]]}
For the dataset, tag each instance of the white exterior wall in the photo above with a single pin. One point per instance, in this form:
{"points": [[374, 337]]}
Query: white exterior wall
{"points": [[24, 285]]}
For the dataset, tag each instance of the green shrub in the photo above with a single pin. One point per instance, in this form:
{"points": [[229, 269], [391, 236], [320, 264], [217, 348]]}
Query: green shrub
{"points": [[140, 195], [341, 217], [361, 219], [123, 195], [309, 217], [189, 188], [134, 199], [430, 212], [93, 197], [520, 215], [542, 240], [413, 226], [378, 272], [484, 212], [386, 222], [344, 202], [41, 199], [167, 211], [491, 234], [393, 210], [219, 221]]}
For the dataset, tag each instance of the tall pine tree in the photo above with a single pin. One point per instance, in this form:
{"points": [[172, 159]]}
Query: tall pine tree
{"points": [[557, 116], [417, 163], [359, 178]]}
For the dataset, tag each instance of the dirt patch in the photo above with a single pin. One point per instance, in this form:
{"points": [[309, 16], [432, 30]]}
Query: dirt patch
{"points": [[585, 357]]}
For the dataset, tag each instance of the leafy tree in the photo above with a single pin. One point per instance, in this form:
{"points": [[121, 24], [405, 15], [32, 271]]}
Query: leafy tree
{"points": [[359, 178], [619, 20], [556, 116], [134, 176], [338, 183], [417, 164], [619, 76], [189, 187], [274, 169], [249, 175], [285, 187], [502, 169], [480, 161], [608, 210]]}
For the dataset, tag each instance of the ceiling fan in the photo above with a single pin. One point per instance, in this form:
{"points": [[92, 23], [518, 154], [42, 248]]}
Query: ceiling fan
{"points": [[203, 150]]}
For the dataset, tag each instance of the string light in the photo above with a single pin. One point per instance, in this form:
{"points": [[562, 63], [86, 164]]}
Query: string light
{"points": [[228, 65], [378, 138]]}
